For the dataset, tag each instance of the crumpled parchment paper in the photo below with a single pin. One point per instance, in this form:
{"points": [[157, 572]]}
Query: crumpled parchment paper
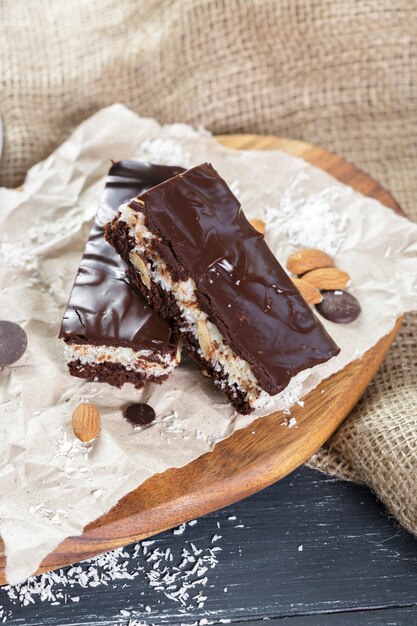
{"points": [[49, 487]]}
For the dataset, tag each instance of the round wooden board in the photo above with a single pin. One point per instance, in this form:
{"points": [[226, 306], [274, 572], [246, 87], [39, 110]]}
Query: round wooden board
{"points": [[243, 463]]}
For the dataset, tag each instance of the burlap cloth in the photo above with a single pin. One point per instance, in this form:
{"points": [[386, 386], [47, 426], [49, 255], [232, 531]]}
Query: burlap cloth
{"points": [[339, 74]]}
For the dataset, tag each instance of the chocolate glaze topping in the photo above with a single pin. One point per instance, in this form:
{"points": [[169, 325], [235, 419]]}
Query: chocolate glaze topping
{"points": [[240, 284], [103, 307]]}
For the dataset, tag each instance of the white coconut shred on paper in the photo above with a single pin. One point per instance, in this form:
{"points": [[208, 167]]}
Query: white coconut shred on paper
{"points": [[49, 490]]}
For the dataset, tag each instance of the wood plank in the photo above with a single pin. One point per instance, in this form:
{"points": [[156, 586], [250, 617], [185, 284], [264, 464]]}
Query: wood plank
{"points": [[401, 616], [244, 463], [354, 557]]}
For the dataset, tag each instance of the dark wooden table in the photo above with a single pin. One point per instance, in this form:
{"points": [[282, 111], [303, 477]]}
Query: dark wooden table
{"points": [[310, 550]]}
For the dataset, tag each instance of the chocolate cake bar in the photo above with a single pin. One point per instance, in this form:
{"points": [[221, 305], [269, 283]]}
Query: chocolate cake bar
{"points": [[111, 333], [198, 261]]}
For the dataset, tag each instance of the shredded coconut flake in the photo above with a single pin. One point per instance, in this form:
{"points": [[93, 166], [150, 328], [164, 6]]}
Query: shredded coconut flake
{"points": [[164, 151], [179, 530], [71, 447], [180, 572], [309, 220]]}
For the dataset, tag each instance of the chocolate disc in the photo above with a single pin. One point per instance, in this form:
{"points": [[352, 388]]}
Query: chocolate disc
{"points": [[339, 307], [140, 414], [13, 342]]}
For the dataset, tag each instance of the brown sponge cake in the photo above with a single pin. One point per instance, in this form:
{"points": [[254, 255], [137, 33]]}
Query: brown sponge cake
{"points": [[195, 257]]}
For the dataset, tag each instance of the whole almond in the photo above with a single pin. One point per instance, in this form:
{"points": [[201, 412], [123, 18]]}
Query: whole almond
{"points": [[86, 422], [140, 265], [204, 338], [259, 225], [327, 278], [308, 259], [310, 293]]}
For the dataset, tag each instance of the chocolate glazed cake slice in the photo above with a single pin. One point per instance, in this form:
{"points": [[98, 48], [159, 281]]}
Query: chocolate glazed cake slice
{"points": [[111, 333], [198, 261]]}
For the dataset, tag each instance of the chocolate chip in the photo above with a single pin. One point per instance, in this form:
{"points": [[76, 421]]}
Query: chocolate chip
{"points": [[13, 342], [140, 414], [339, 306]]}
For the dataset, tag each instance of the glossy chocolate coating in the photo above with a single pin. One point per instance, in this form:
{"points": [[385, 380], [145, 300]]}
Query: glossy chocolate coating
{"points": [[103, 308], [240, 284]]}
